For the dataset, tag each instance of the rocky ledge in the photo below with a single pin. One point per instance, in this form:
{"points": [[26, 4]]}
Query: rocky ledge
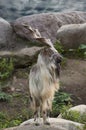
{"points": [[55, 123]]}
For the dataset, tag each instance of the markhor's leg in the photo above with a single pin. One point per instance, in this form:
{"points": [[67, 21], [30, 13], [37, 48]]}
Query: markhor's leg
{"points": [[45, 118], [37, 116], [45, 113]]}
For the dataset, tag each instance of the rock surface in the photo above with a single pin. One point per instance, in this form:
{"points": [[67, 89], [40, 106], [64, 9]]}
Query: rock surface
{"points": [[73, 80], [56, 124], [48, 23], [79, 108], [72, 36], [22, 58], [30, 127], [9, 41], [5, 33], [8, 38]]}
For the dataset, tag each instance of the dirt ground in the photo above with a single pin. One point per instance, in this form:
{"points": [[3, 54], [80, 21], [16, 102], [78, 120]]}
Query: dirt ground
{"points": [[73, 81]]}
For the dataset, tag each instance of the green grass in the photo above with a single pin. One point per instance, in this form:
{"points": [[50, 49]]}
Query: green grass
{"points": [[5, 97], [6, 68], [19, 111], [6, 122], [62, 102], [75, 116], [59, 47], [79, 52]]}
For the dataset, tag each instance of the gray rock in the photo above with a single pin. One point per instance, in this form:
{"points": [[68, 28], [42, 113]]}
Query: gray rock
{"points": [[30, 127], [8, 38], [5, 33], [57, 123], [80, 108], [9, 41], [48, 23], [71, 36], [24, 57]]}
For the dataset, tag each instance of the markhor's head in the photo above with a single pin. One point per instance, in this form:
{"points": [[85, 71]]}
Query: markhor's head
{"points": [[50, 55]]}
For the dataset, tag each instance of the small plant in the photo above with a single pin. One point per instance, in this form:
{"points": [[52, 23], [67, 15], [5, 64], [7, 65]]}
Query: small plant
{"points": [[84, 127], [78, 52], [14, 122], [75, 116], [6, 122], [5, 96], [6, 68], [82, 50], [62, 101], [59, 47], [26, 114]]}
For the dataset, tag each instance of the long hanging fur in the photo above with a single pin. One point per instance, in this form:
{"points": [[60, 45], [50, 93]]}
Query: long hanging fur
{"points": [[44, 81]]}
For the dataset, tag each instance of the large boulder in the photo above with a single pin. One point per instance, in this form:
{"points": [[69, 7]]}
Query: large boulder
{"points": [[72, 36], [9, 41], [48, 23], [8, 38], [60, 124], [56, 124], [35, 128], [5, 33]]}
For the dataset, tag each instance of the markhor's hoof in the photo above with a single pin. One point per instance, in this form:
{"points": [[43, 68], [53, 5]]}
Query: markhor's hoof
{"points": [[37, 124], [47, 123]]}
